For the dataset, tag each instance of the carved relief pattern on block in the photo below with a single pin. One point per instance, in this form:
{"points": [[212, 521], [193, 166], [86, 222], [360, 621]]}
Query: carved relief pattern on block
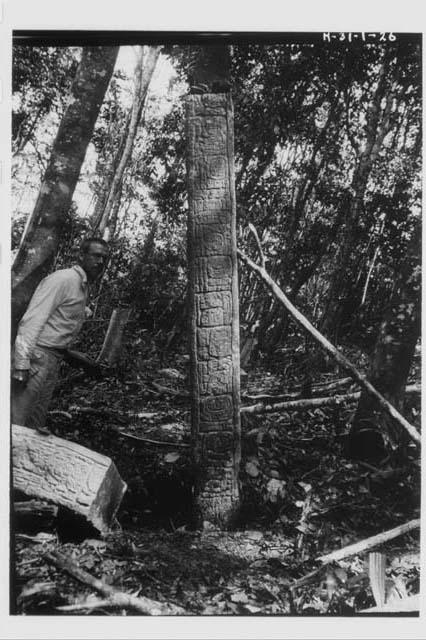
{"points": [[213, 274], [214, 342], [213, 277], [79, 487], [212, 239], [214, 308], [215, 376]]}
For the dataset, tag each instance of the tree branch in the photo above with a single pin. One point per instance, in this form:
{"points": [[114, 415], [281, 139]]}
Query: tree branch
{"points": [[369, 543], [336, 355], [259, 246], [143, 605], [309, 403]]}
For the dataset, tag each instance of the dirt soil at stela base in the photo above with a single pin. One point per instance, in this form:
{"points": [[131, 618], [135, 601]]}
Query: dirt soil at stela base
{"points": [[301, 498]]}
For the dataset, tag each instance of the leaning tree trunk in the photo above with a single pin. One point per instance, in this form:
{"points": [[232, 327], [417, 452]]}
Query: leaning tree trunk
{"points": [[213, 291], [143, 74], [390, 363], [42, 236]]}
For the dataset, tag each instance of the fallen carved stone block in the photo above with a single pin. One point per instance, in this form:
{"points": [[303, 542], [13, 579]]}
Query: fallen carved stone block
{"points": [[66, 474]]}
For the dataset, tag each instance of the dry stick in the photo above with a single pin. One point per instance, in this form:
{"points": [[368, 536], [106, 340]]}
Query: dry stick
{"points": [[168, 390], [117, 415], [309, 577], [141, 604], [331, 386], [358, 547], [156, 442], [369, 543], [344, 362], [261, 397], [309, 403], [88, 605], [316, 389]]}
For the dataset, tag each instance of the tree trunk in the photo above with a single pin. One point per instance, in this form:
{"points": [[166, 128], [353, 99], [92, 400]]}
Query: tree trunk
{"points": [[41, 240], [391, 360], [213, 292], [143, 74]]}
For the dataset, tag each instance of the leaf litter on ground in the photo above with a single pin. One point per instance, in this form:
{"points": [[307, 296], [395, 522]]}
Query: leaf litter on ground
{"points": [[295, 481]]}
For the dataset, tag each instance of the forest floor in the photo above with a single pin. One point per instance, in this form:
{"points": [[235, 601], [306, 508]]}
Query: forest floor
{"points": [[301, 498]]}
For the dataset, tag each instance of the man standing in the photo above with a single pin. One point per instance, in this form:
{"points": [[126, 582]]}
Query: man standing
{"points": [[51, 323]]}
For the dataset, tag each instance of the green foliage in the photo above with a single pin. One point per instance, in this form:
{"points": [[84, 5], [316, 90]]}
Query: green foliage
{"points": [[41, 78]]}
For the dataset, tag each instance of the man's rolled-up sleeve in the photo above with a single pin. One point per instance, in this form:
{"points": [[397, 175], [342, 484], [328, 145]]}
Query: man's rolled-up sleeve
{"points": [[46, 298]]}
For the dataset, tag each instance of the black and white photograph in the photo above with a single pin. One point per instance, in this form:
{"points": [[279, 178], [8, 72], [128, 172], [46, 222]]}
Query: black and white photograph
{"points": [[214, 365]]}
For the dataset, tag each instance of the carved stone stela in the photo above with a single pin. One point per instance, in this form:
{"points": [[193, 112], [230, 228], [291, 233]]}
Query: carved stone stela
{"points": [[214, 334]]}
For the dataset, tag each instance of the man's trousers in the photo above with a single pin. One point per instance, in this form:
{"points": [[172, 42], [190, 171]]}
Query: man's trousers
{"points": [[30, 402]]}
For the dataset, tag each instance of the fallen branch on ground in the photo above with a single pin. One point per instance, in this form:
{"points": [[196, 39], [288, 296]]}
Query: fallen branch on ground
{"points": [[121, 417], [331, 386], [169, 391], [302, 404], [90, 604], [262, 397], [163, 443], [353, 549], [308, 578], [106, 413], [369, 543], [143, 605], [309, 403], [326, 344], [316, 389]]}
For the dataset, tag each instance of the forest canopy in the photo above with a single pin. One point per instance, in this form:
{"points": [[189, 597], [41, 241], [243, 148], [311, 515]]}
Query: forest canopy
{"points": [[327, 145]]}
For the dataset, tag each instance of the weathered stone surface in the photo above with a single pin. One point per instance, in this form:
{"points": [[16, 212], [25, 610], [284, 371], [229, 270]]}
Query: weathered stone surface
{"points": [[212, 274], [215, 376], [214, 304], [214, 309], [66, 474]]}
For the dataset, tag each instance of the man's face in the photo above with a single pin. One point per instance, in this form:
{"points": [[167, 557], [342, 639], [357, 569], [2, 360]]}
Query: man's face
{"points": [[94, 260]]}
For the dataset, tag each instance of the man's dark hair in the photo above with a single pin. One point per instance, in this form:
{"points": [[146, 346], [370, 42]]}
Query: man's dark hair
{"points": [[87, 242]]}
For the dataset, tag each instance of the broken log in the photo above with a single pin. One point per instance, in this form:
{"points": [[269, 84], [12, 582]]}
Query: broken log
{"points": [[142, 605], [67, 474], [34, 515], [331, 349], [369, 543]]}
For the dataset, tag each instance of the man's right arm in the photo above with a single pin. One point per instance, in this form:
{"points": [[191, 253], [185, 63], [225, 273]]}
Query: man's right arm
{"points": [[46, 298]]}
